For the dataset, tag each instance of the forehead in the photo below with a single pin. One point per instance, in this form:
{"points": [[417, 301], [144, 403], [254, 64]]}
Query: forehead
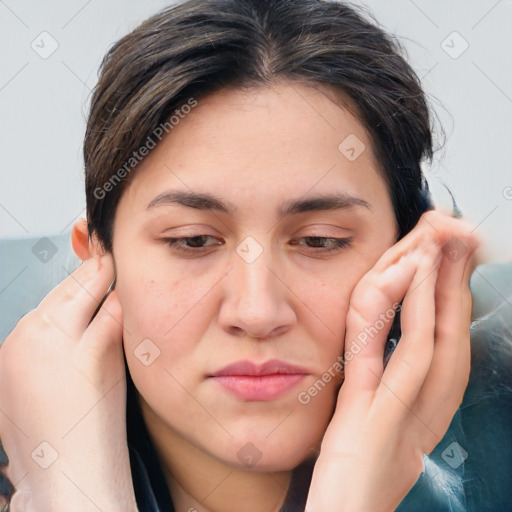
{"points": [[244, 144]]}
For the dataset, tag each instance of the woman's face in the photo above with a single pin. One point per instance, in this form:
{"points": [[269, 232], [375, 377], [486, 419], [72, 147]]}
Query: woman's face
{"points": [[264, 180]]}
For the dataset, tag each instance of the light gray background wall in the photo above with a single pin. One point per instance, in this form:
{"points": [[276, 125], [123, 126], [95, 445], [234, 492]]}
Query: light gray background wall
{"points": [[51, 50]]}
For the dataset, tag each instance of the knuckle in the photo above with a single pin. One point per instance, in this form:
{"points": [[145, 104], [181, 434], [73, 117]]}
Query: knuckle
{"points": [[368, 301], [25, 328], [41, 321], [365, 293], [17, 345], [442, 228]]}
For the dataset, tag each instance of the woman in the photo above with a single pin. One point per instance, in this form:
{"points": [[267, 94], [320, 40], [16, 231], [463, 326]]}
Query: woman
{"points": [[256, 218]]}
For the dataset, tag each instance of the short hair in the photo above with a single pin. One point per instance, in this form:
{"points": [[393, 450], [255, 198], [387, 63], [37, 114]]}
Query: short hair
{"points": [[197, 47]]}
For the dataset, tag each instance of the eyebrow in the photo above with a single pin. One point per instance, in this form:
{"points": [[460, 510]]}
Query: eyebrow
{"points": [[208, 202]]}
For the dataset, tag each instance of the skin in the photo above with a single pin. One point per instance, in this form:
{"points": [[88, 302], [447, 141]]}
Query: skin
{"points": [[254, 150], [216, 305]]}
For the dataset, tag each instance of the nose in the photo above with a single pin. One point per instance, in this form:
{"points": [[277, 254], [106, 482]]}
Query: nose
{"points": [[256, 301]]}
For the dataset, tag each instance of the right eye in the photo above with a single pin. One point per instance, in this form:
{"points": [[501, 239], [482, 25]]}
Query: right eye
{"points": [[189, 244]]}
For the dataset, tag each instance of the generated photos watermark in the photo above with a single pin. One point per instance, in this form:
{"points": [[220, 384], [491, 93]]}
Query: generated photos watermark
{"points": [[138, 155], [355, 347]]}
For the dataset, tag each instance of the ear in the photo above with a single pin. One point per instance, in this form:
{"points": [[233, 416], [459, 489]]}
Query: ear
{"points": [[83, 247]]}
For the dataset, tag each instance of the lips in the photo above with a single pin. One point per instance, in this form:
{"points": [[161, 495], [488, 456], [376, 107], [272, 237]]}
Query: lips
{"points": [[259, 382]]}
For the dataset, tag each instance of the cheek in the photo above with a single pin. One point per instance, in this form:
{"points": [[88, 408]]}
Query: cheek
{"points": [[324, 300], [164, 322], [159, 308]]}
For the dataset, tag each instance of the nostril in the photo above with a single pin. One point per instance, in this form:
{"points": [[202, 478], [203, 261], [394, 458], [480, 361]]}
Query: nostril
{"points": [[236, 331]]}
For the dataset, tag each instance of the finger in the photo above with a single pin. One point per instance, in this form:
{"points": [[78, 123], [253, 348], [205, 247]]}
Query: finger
{"points": [[432, 224], [369, 318], [107, 327], [449, 372], [367, 388], [435, 227], [409, 365], [71, 304], [101, 346]]}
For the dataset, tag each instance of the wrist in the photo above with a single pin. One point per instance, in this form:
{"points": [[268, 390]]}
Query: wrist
{"points": [[340, 484], [61, 487]]}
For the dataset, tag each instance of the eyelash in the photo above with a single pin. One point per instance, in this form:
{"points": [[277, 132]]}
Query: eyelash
{"points": [[339, 243]]}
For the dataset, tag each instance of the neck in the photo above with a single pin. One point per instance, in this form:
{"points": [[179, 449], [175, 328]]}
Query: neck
{"points": [[199, 482], [227, 491]]}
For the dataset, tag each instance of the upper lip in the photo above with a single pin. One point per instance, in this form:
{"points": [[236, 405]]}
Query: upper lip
{"points": [[254, 369]]}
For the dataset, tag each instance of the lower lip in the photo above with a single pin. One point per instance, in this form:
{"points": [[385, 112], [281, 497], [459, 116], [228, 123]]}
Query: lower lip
{"points": [[259, 387]]}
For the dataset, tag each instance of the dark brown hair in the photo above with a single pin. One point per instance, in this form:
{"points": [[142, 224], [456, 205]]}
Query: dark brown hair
{"points": [[194, 48]]}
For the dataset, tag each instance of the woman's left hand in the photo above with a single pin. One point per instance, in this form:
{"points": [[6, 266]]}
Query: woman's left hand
{"points": [[386, 419]]}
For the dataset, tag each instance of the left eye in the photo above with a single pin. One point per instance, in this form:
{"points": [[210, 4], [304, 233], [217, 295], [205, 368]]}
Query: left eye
{"points": [[318, 242]]}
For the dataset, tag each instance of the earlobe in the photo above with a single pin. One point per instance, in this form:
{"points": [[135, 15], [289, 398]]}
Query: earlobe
{"points": [[84, 248]]}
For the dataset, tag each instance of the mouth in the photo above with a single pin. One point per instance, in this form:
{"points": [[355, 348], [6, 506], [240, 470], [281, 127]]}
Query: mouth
{"points": [[259, 382]]}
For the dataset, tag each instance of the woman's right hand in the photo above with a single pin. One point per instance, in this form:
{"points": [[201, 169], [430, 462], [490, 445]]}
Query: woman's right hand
{"points": [[63, 399]]}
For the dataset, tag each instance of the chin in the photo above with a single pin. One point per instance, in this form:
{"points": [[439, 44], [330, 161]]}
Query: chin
{"points": [[263, 454]]}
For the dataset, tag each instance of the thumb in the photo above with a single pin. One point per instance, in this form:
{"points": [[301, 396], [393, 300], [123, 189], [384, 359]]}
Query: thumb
{"points": [[105, 332]]}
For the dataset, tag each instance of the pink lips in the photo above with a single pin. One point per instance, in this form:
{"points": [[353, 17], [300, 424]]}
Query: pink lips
{"points": [[253, 382]]}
